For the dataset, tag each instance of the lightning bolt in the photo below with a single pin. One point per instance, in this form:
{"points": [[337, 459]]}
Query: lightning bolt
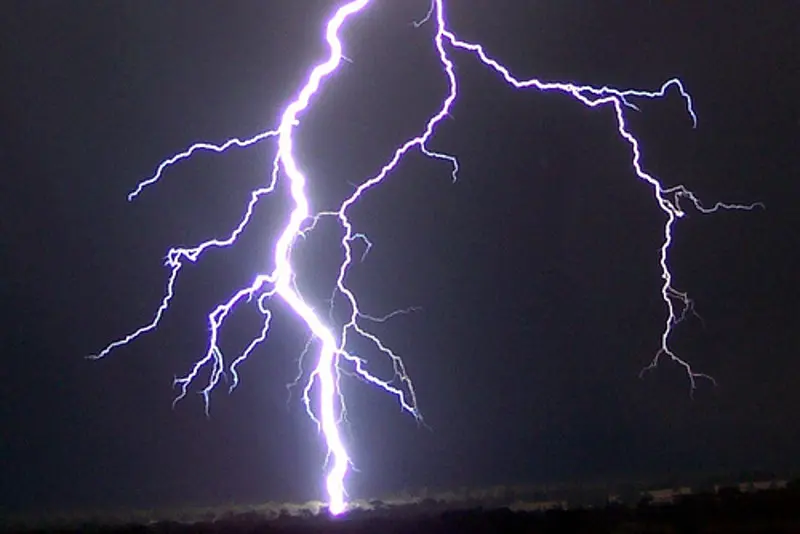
{"points": [[333, 359]]}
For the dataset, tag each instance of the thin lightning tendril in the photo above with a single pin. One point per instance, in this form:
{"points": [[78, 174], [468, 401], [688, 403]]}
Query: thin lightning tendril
{"points": [[333, 358]]}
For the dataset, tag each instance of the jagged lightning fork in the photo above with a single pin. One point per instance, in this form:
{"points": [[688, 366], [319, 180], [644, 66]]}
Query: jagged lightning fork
{"points": [[333, 358]]}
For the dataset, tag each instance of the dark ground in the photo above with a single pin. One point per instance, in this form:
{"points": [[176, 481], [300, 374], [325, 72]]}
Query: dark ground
{"points": [[728, 510]]}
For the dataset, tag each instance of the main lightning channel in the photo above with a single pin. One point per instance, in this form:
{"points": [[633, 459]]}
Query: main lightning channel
{"points": [[281, 282]]}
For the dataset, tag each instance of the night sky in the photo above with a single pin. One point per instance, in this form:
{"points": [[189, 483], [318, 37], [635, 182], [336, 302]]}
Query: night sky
{"points": [[536, 272]]}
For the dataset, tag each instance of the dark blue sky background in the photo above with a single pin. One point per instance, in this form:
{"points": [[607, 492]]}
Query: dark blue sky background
{"points": [[536, 273]]}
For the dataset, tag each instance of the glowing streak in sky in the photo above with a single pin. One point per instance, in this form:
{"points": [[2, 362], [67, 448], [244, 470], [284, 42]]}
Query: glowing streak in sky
{"points": [[280, 282]]}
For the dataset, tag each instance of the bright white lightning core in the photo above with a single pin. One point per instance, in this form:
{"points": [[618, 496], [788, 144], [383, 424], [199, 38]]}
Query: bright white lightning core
{"points": [[279, 283]]}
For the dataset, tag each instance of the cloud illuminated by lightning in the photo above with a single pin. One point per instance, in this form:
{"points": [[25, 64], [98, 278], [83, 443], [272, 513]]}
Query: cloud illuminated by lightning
{"points": [[333, 357]]}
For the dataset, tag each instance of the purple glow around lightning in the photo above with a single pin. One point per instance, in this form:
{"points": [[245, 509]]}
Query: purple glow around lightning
{"points": [[333, 358]]}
